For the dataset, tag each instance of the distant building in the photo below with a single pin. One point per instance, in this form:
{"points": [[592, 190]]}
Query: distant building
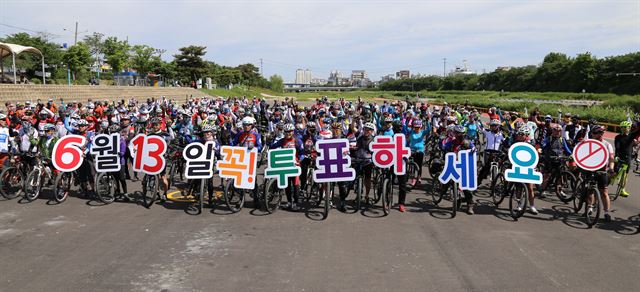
{"points": [[402, 74], [359, 78], [464, 70], [336, 79], [303, 76], [387, 78], [318, 82], [503, 68]]}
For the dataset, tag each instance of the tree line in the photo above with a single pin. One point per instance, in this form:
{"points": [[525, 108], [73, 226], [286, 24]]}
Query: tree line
{"points": [[187, 66], [557, 73]]}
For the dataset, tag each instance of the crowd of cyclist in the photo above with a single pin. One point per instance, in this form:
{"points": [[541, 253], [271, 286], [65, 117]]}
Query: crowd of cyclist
{"points": [[27, 129]]}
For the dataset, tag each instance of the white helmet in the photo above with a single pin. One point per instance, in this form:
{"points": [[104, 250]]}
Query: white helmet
{"points": [[370, 126], [248, 121], [289, 127]]}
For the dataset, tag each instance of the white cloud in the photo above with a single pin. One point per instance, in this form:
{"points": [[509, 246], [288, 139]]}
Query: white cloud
{"points": [[379, 36]]}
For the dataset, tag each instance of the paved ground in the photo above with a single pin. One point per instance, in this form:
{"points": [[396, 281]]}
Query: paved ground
{"points": [[80, 245]]}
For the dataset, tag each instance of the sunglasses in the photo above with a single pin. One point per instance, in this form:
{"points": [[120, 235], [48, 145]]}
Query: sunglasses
{"points": [[597, 133]]}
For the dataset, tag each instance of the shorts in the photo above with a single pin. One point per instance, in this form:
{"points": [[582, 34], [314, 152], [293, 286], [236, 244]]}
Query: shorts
{"points": [[602, 180]]}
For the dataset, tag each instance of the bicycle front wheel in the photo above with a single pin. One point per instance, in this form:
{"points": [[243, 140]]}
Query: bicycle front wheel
{"points": [[412, 175], [233, 197], [518, 200], [455, 204], [272, 196], [149, 190], [565, 186], [33, 185], [105, 187], [327, 198], [11, 182], [498, 189], [387, 195], [62, 186], [592, 212], [359, 184], [436, 191]]}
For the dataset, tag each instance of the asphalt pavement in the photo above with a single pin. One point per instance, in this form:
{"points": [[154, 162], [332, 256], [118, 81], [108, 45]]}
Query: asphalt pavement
{"points": [[82, 245]]}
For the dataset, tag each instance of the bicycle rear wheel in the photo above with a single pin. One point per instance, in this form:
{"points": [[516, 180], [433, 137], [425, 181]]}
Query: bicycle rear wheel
{"points": [[518, 200], [149, 190], [62, 186], [106, 187], [33, 185], [592, 213], [272, 196], [11, 182], [233, 197]]}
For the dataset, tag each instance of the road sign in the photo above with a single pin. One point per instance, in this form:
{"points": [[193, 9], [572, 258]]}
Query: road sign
{"points": [[590, 155]]}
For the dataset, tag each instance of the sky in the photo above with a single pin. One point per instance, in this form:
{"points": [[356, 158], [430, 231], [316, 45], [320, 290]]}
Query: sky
{"points": [[381, 37]]}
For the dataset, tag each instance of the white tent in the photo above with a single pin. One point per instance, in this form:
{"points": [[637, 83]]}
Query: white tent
{"points": [[14, 50]]}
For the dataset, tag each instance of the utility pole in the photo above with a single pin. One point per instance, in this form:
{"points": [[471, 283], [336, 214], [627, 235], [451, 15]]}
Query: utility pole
{"points": [[261, 72], [75, 39], [444, 70]]}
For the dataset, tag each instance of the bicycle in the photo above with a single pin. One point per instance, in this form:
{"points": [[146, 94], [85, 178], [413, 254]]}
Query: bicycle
{"points": [[586, 191], [12, 178], [150, 190], [563, 180], [176, 165], [386, 189], [41, 172], [358, 184], [413, 173], [107, 187], [440, 192], [620, 178]]}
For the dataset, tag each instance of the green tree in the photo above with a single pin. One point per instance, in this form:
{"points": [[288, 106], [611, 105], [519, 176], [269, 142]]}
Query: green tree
{"points": [[32, 62], [116, 54], [77, 57], [190, 64], [96, 45], [143, 59], [583, 73], [277, 83]]}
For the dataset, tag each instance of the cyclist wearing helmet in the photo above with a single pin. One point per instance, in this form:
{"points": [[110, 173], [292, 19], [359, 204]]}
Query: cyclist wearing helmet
{"points": [[248, 136], [624, 143], [416, 137], [309, 138], [120, 175], [522, 135], [495, 139], [364, 154], [386, 129], [553, 147], [156, 130], [544, 130], [597, 133], [6, 139], [46, 142], [290, 140], [460, 142]]}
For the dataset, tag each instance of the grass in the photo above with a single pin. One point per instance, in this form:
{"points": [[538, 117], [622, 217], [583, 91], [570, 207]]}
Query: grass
{"points": [[613, 109]]}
